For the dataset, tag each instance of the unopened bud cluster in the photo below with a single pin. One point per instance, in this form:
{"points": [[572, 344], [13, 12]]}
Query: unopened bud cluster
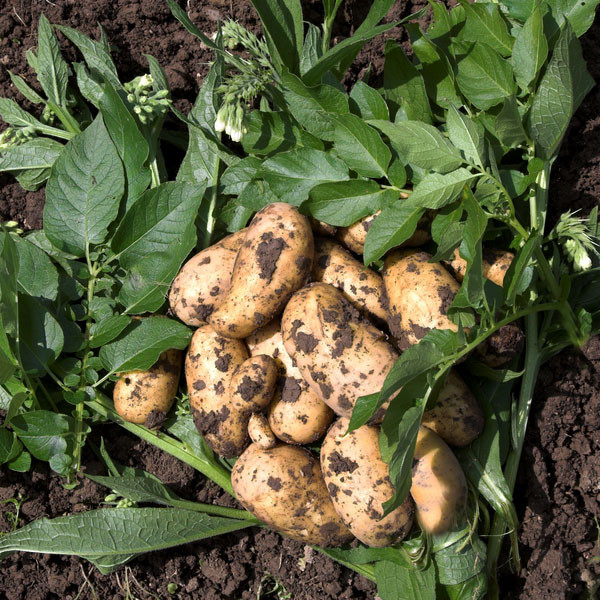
{"points": [[15, 136], [577, 240], [147, 104]]}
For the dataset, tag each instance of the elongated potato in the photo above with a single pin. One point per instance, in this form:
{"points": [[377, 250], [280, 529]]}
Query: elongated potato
{"points": [[439, 487], [259, 431], [419, 294], [274, 261], [340, 355], [296, 415], [333, 264], [284, 488], [456, 417], [204, 280], [225, 388], [495, 263], [358, 483], [137, 394]]}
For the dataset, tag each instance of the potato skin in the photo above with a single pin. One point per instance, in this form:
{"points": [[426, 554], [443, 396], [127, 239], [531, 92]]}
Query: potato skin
{"points": [[456, 417], [321, 228], [333, 264], [439, 486], [358, 483], [204, 280], [502, 346], [495, 263], [340, 355], [259, 431], [274, 261], [419, 294], [137, 393], [296, 415], [284, 488]]}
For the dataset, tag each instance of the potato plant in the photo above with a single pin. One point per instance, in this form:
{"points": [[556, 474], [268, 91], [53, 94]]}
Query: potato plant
{"points": [[438, 176]]}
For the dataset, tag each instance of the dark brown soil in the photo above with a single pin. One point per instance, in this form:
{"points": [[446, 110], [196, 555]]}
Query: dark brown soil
{"points": [[558, 491]]}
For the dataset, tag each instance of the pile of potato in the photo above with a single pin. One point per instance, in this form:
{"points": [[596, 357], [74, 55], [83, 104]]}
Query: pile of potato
{"points": [[290, 331]]}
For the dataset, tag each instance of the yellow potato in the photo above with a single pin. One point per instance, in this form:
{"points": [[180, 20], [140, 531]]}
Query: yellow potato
{"points": [[439, 487], [321, 228], [274, 261], [333, 264], [339, 354], [358, 483], [259, 431], [419, 294], [204, 280], [139, 393], [456, 417], [495, 264], [284, 488]]}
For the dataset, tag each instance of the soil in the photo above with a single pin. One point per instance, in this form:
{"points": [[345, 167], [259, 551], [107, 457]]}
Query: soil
{"points": [[558, 489]]}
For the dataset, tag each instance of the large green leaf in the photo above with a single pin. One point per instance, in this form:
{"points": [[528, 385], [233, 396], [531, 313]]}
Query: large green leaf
{"points": [[485, 23], [579, 13], [38, 153], [37, 276], [84, 191], [530, 50], [467, 135], [44, 433], [436, 190], [367, 102]]}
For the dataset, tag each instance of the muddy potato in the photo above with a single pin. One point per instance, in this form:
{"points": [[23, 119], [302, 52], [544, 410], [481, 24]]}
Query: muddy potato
{"points": [[321, 228], [284, 488], [274, 261], [204, 280], [358, 483], [495, 264], [339, 354], [296, 415], [502, 346], [439, 487], [225, 388], [333, 264], [419, 294], [139, 393], [259, 431], [456, 417]]}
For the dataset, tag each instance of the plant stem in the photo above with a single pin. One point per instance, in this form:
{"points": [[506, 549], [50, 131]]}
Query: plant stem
{"points": [[210, 216], [65, 117], [154, 174]]}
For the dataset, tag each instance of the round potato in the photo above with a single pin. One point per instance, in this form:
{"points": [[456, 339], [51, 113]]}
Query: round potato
{"points": [[321, 228], [419, 294], [296, 415], [204, 280], [495, 263], [259, 431], [340, 355], [138, 394], [456, 417], [358, 483], [333, 264], [284, 488], [439, 487], [274, 261]]}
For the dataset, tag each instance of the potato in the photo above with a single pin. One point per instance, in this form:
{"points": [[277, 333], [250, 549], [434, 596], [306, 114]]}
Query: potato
{"points": [[495, 264], [456, 417], [358, 483], [204, 280], [274, 261], [138, 393], [284, 488], [363, 287], [502, 346], [439, 487], [296, 415], [259, 431], [419, 294], [321, 228], [225, 388], [340, 355]]}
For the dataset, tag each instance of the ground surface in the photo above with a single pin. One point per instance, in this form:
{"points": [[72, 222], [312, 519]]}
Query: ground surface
{"points": [[558, 490]]}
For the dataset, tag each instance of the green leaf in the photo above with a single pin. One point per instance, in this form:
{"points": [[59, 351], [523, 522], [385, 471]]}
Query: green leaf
{"points": [[291, 175], [129, 142], [38, 153], [436, 190], [9, 446], [25, 89], [116, 531], [52, 71], [422, 145], [159, 76], [107, 330], [472, 589], [360, 146], [344, 202], [519, 9], [485, 23], [37, 276], [467, 135], [579, 13], [44, 433], [509, 124], [367, 102], [207, 103], [404, 583], [404, 86], [9, 304], [310, 105], [530, 50], [561, 90], [142, 342], [394, 225], [13, 114], [238, 176], [284, 30], [139, 489], [484, 77], [21, 464], [516, 271], [455, 565], [84, 191], [90, 88], [312, 49], [8, 362]]}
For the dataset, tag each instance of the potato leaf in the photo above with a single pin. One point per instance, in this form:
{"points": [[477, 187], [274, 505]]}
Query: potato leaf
{"points": [[52, 71], [107, 330], [367, 102], [467, 135], [404, 583], [530, 50], [38, 153], [37, 276], [435, 190], [455, 564], [485, 23], [509, 124], [579, 13], [238, 176]]}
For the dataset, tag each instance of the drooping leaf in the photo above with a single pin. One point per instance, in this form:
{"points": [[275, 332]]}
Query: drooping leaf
{"points": [[455, 565]]}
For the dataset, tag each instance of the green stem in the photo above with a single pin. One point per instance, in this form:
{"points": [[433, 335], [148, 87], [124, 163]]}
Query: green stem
{"points": [[154, 174], [210, 217], [65, 117], [219, 511]]}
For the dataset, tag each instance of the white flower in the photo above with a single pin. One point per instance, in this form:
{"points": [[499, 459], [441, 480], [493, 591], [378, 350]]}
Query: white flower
{"points": [[146, 81]]}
